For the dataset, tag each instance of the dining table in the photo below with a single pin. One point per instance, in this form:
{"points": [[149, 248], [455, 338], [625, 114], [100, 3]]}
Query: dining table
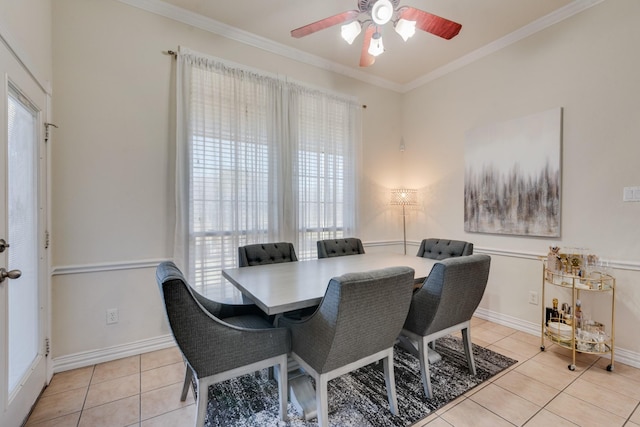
{"points": [[289, 286]]}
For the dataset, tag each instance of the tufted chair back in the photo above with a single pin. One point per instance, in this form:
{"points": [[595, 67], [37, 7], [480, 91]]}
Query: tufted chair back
{"points": [[266, 253], [442, 248], [339, 247]]}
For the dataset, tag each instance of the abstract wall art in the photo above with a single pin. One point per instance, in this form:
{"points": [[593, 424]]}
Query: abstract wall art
{"points": [[512, 176]]}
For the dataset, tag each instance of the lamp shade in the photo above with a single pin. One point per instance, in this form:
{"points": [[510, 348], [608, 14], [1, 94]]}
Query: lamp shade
{"points": [[404, 197], [405, 28], [350, 31], [376, 47]]}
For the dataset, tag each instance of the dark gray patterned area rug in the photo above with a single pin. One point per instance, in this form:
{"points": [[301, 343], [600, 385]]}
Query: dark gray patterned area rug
{"points": [[359, 399]]}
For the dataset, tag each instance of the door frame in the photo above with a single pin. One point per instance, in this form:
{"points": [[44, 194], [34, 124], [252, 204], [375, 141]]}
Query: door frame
{"points": [[19, 75]]}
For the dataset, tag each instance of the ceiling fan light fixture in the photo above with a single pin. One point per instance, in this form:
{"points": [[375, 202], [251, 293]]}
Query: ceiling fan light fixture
{"points": [[350, 31], [381, 12], [405, 28], [376, 47]]}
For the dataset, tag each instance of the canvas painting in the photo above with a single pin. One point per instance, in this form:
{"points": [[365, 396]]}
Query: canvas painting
{"points": [[512, 176]]}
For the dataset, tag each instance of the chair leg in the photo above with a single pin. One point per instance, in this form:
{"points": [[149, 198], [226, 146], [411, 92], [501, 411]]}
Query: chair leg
{"points": [[424, 368], [270, 376], [390, 382], [281, 374], [201, 404], [468, 349], [322, 401], [187, 382]]}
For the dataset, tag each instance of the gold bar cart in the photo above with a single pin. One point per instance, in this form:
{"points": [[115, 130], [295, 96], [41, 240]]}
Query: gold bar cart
{"points": [[566, 335]]}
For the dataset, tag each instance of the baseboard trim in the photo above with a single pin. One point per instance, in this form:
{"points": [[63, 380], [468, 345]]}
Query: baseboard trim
{"points": [[88, 358], [621, 355]]}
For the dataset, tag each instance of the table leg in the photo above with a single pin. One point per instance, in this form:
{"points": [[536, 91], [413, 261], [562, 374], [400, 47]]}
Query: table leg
{"points": [[302, 394], [411, 347]]}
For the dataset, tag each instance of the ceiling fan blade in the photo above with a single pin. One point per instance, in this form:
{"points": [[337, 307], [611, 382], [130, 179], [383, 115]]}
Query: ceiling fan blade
{"points": [[366, 59], [431, 23], [340, 18]]}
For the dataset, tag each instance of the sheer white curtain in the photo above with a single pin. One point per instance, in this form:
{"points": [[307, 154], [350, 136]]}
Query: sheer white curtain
{"points": [[325, 135], [258, 160]]}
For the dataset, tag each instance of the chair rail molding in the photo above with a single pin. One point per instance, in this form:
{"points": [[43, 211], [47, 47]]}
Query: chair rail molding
{"points": [[105, 266], [62, 270]]}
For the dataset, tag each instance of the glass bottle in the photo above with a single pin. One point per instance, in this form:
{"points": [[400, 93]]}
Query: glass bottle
{"points": [[577, 316], [555, 314]]}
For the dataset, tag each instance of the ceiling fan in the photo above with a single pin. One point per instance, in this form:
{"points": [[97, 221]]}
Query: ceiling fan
{"points": [[376, 13]]}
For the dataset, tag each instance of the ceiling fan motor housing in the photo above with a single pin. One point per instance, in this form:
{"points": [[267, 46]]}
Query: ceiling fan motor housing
{"points": [[367, 6]]}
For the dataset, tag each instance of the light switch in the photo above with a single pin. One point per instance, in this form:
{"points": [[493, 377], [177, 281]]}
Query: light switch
{"points": [[631, 194]]}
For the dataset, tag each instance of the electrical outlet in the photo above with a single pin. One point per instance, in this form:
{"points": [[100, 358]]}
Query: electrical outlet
{"points": [[112, 316], [533, 297]]}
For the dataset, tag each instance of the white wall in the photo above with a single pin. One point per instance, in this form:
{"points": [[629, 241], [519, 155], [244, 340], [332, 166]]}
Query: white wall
{"points": [[588, 65], [26, 25], [113, 176], [113, 160]]}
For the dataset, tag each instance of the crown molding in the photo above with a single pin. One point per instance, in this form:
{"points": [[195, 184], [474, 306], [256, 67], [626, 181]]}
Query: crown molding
{"points": [[184, 16], [540, 24], [211, 25]]}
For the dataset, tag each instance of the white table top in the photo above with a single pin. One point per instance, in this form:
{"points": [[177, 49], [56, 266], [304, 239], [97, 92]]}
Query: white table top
{"points": [[287, 286]]}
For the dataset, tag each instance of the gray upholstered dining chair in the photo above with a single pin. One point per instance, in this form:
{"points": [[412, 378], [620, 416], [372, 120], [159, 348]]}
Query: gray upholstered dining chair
{"points": [[356, 324], [265, 253], [216, 348], [445, 304], [339, 247], [443, 248], [270, 253]]}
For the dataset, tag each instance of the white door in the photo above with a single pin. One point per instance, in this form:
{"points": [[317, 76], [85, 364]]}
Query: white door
{"points": [[23, 278]]}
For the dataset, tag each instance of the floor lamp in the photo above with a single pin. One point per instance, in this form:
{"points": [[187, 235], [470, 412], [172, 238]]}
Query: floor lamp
{"points": [[404, 197]]}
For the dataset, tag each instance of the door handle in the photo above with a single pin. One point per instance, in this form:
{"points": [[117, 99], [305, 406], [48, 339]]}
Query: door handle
{"points": [[3, 245], [12, 274]]}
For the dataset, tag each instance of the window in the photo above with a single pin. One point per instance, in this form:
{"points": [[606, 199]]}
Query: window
{"points": [[259, 160]]}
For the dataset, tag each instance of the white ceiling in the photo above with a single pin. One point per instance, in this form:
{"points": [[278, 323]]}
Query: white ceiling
{"points": [[486, 26]]}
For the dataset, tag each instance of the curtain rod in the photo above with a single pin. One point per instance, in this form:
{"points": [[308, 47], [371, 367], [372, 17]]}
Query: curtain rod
{"points": [[175, 55]]}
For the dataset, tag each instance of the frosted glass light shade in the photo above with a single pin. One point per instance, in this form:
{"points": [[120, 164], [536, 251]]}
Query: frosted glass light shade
{"points": [[350, 31], [376, 47], [405, 28]]}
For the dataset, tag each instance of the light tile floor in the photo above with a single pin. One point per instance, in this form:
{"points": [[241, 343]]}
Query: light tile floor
{"points": [[539, 390]]}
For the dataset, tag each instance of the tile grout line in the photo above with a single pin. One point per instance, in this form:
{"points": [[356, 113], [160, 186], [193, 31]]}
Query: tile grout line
{"points": [[527, 359], [139, 390], [86, 395], [592, 364], [636, 409], [491, 381]]}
